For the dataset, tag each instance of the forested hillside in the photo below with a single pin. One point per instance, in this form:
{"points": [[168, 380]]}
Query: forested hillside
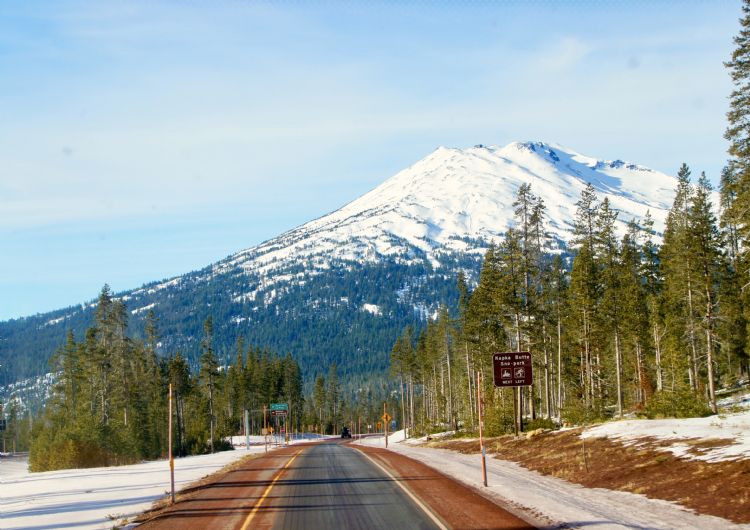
{"points": [[349, 316]]}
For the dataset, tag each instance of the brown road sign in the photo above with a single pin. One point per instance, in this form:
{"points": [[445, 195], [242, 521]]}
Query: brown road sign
{"points": [[512, 368], [278, 413]]}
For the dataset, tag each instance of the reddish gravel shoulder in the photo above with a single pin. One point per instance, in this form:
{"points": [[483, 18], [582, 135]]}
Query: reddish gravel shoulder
{"points": [[222, 500], [457, 505]]}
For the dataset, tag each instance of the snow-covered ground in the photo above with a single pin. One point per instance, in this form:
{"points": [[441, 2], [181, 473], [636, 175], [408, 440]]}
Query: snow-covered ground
{"points": [[733, 428], [552, 501], [98, 497]]}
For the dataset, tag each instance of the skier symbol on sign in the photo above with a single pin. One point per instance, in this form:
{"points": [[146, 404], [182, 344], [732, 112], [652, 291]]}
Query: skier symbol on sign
{"points": [[520, 373], [506, 374]]}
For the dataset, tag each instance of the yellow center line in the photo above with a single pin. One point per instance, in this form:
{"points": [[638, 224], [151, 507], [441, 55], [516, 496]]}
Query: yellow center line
{"points": [[268, 490]]}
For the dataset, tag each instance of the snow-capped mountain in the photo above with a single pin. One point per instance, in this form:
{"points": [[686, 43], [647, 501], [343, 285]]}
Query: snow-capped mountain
{"points": [[454, 197], [344, 285]]}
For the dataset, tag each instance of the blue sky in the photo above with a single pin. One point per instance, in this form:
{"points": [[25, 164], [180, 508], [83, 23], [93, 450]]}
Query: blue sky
{"points": [[141, 140]]}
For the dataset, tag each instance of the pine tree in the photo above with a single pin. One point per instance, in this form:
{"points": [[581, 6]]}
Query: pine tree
{"points": [[179, 376], [678, 268], [735, 187], [704, 243], [462, 339], [585, 288], [319, 398], [635, 311], [610, 307], [333, 396], [733, 325], [209, 371], [738, 130], [556, 299]]}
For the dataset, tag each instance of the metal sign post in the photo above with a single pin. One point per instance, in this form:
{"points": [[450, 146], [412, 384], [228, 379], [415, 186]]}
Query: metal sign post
{"points": [[247, 430], [480, 406], [386, 419], [265, 428], [171, 456]]}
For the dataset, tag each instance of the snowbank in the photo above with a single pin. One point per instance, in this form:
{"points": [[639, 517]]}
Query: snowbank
{"points": [[95, 498], [733, 428], [240, 441], [101, 497], [375, 440]]}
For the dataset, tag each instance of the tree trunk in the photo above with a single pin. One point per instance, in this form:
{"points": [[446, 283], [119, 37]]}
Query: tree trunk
{"points": [[659, 371], [618, 368], [710, 353], [693, 358], [468, 377], [559, 365]]}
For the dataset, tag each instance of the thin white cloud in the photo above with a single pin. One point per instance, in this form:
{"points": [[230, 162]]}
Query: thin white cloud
{"points": [[564, 54]]}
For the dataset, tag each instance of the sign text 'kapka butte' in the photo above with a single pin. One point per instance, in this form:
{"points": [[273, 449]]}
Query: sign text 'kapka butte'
{"points": [[512, 368]]}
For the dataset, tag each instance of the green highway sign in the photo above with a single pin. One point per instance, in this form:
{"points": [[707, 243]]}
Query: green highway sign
{"points": [[279, 406]]}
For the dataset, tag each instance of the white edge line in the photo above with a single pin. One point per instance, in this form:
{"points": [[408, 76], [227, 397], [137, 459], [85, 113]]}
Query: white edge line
{"points": [[413, 497]]}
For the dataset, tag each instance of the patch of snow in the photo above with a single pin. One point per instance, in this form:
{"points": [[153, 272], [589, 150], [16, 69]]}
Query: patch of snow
{"points": [[142, 309], [734, 428], [372, 309], [97, 498], [56, 320]]}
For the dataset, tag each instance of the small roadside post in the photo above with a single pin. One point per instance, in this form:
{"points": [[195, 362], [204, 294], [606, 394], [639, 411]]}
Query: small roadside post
{"points": [[480, 406], [247, 430], [265, 429], [385, 425], [386, 418], [171, 456]]}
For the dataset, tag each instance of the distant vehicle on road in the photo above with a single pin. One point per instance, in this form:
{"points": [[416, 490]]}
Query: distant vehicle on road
{"points": [[346, 433]]}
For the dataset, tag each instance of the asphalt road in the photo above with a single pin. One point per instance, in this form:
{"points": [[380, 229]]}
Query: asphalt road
{"points": [[334, 486], [330, 485]]}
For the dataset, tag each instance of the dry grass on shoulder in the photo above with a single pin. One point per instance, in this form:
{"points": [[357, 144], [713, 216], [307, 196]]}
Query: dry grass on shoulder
{"points": [[721, 489]]}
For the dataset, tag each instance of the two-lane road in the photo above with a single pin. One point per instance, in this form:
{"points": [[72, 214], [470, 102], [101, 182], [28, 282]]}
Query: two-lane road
{"points": [[332, 485]]}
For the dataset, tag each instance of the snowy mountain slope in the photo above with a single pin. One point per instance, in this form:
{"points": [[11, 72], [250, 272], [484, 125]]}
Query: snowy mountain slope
{"points": [[457, 194], [454, 201], [340, 288]]}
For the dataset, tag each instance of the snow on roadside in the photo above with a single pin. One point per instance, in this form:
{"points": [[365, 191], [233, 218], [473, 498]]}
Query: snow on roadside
{"points": [[733, 428], [552, 501], [239, 441], [96, 498]]}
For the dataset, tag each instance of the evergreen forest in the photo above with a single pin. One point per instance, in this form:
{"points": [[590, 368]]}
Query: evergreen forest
{"points": [[109, 405], [629, 326]]}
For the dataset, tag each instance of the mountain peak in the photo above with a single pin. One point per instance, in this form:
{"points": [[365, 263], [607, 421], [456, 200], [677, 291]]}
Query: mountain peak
{"points": [[453, 198]]}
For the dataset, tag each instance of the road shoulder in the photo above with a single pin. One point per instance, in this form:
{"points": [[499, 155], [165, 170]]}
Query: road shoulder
{"points": [[454, 503]]}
